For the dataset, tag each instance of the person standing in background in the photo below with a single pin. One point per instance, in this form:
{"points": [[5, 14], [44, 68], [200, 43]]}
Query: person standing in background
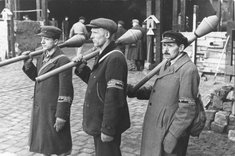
{"points": [[135, 50], [65, 29], [79, 29], [54, 22], [120, 31]]}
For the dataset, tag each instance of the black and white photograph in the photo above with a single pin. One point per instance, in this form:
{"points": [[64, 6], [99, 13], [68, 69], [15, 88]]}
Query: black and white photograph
{"points": [[117, 77]]}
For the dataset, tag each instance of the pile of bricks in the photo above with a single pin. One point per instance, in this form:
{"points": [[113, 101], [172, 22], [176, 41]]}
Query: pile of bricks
{"points": [[220, 111]]}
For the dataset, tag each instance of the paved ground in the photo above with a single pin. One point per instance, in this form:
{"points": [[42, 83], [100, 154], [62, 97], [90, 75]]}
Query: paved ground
{"points": [[16, 91]]}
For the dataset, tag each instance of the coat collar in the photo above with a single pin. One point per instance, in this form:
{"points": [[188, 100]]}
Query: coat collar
{"points": [[176, 66], [50, 65], [111, 46]]}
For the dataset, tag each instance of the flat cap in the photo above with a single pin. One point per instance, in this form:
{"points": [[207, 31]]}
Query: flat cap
{"points": [[121, 22], [50, 32], [135, 21], [82, 17], [174, 37], [104, 23]]}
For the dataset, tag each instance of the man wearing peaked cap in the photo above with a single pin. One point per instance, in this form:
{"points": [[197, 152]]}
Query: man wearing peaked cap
{"points": [[172, 101], [105, 110], [50, 124], [50, 32], [172, 36]]}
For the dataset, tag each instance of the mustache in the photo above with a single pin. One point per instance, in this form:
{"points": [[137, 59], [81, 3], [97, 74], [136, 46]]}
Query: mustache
{"points": [[166, 53]]}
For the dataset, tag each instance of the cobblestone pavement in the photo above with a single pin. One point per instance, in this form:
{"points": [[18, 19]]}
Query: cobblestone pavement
{"points": [[16, 93]]}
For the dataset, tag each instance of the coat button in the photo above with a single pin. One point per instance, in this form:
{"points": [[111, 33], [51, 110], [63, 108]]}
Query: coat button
{"points": [[150, 104], [154, 91]]}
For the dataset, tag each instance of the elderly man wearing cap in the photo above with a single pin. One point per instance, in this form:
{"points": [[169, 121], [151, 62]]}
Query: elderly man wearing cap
{"points": [[171, 107], [50, 120], [79, 28], [105, 110]]}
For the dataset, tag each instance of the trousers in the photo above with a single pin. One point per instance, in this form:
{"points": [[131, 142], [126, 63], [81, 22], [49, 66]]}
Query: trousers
{"points": [[111, 148]]}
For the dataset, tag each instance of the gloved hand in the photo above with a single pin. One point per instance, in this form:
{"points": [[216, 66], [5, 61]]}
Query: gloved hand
{"points": [[59, 124], [169, 143], [28, 60], [130, 91]]}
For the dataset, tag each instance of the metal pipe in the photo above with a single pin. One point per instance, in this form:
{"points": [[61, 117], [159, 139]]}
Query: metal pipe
{"points": [[149, 75], [22, 57], [65, 67], [75, 41]]}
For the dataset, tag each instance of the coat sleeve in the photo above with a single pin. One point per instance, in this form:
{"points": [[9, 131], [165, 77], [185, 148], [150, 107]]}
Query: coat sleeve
{"points": [[30, 70], [115, 96], [184, 115], [65, 97]]}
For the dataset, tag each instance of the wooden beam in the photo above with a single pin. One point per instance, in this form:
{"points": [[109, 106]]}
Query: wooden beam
{"points": [[16, 7], [11, 33], [38, 7], [158, 33], [44, 11], [175, 24], [229, 58], [183, 15], [150, 39]]}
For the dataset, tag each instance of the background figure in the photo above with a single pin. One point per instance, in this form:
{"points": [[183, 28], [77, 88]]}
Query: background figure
{"points": [[65, 29], [120, 31], [54, 22], [171, 108], [26, 17], [105, 109], [136, 54], [50, 120], [79, 29]]}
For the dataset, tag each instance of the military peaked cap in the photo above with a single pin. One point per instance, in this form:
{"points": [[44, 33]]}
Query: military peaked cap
{"points": [[50, 32]]}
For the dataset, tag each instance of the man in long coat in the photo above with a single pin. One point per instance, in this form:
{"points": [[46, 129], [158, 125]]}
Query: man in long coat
{"points": [[136, 53], [105, 109], [50, 119], [171, 107]]}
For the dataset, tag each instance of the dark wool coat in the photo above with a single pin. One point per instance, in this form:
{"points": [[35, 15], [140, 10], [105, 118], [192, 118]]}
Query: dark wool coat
{"points": [[137, 51], [105, 107], [52, 98], [171, 105]]}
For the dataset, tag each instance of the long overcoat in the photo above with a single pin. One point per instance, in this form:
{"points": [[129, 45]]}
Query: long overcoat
{"points": [[171, 105], [52, 98]]}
